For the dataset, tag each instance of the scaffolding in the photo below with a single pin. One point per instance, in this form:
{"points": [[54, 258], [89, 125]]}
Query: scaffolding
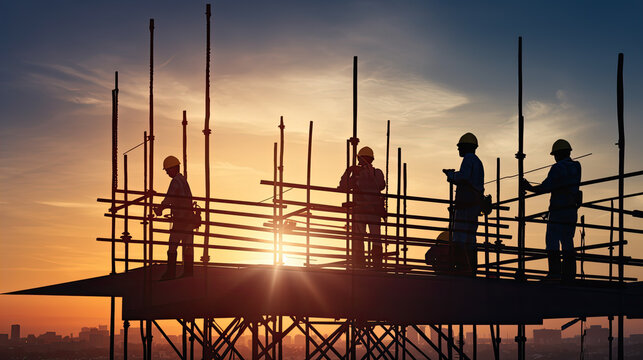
{"points": [[254, 244]]}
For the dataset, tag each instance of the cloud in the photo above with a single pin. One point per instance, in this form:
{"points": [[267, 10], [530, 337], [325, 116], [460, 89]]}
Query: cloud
{"points": [[63, 204]]}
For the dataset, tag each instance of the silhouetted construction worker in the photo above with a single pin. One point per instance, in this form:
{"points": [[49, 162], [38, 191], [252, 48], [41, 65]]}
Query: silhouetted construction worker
{"points": [[563, 183], [179, 200], [469, 182], [367, 208]]}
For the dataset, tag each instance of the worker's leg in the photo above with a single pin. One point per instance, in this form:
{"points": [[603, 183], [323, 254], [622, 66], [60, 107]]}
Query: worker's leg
{"points": [[569, 254], [188, 251], [552, 239], [465, 227], [359, 231], [175, 238], [376, 241]]}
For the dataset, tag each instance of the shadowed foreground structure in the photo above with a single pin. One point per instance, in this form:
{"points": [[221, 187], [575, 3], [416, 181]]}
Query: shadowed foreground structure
{"points": [[372, 311]]}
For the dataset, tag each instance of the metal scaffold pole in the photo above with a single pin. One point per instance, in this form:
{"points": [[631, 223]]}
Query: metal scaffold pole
{"points": [[282, 141], [520, 338], [113, 210], [206, 132], [150, 187], [621, 189], [184, 123]]}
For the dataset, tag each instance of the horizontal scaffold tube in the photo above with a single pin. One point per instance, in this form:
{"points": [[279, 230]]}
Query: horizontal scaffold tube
{"points": [[583, 183]]}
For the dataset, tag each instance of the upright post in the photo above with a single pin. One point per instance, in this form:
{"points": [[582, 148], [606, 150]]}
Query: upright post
{"points": [[145, 212], [582, 251], [498, 242], [520, 338], [125, 338], [404, 246], [281, 188], [206, 132], [475, 342], [621, 189], [610, 318], [308, 166], [354, 139], [461, 337], [397, 215], [148, 323], [125, 236], [276, 222], [348, 215], [114, 187], [521, 171], [185, 144], [388, 143]]}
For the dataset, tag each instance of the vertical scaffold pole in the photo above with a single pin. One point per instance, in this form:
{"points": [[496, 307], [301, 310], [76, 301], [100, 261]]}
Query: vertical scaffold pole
{"points": [[113, 212], [621, 189], [388, 145], [397, 210], [206, 132], [282, 142], [275, 220], [125, 236], [520, 338], [150, 188], [498, 243], [145, 212], [404, 234], [610, 318], [185, 144], [308, 166], [349, 260]]}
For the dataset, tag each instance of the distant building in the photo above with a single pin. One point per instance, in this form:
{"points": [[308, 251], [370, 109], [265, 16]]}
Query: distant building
{"points": [[596, 335], [300, 340], [547, 336], [4, 338], [636, 338], [15, 332], [49, 337]]}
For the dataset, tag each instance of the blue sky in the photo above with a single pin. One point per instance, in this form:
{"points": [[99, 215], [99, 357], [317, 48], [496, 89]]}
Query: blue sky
{"points": [[435, 69]]}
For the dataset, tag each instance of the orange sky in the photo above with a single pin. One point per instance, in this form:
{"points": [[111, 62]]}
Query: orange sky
{"points": [[55, 154]]}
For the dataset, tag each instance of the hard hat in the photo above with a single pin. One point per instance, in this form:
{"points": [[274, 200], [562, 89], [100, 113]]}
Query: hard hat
{"points": [[444, 236], [170, 162], [468, 138], [366, 151], [559, 145]]}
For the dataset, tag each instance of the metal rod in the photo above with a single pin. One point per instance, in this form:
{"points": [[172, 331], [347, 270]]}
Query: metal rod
{"points": [[114, 187], [397, 208], [276, 222], [388, 146], [150, 161], [281, 186], [621, 187], [521, 170], [125, 338], [405, 248], [126, 235], [308, 166], [185, 144], [206, 132]]}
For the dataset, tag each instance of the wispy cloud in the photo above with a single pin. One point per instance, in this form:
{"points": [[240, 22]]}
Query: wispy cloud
{"points": [[64, 204]]}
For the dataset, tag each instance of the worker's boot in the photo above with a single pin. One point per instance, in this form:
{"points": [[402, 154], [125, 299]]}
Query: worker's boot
{"points": [[377, 256], [553, 259], [472, 257], [569, 265], [188, 262], [170, 272]]}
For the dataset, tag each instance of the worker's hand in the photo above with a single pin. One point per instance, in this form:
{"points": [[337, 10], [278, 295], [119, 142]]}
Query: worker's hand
{"points": [[448, 171], [158, 210], [525, 185]]}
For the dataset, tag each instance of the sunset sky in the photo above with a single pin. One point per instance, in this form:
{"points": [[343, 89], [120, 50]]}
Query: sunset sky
{"points": [[435, 69]]}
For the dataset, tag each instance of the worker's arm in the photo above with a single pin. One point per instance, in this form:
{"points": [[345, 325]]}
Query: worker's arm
{"points": [[169, 199], [547, 185], [379, 180], [463, 176], [346, 181]]}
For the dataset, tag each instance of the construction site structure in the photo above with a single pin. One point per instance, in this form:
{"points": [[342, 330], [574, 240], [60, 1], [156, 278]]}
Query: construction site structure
{"points": [[340, 309]]}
